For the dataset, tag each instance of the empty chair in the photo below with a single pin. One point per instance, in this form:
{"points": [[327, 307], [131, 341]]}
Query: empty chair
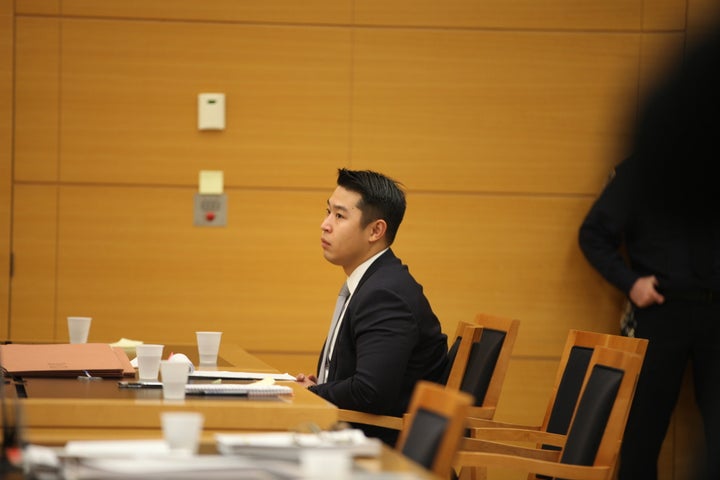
{"points": [[434, 427], [592, 444], [574, 361], [480, 366]]}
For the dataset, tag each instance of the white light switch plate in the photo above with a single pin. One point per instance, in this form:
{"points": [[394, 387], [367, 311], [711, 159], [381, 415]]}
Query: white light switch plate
{"points": [[211, 111]]}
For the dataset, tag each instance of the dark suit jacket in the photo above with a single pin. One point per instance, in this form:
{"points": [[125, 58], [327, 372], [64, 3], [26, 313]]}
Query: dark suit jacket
{"points": [[388, 340]]}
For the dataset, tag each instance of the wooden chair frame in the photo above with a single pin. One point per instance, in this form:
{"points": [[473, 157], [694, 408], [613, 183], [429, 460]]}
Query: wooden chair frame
{"points": [[469, 333], [575, 338], [396, 423], [510, 328], [488, 452], [453, 405]]}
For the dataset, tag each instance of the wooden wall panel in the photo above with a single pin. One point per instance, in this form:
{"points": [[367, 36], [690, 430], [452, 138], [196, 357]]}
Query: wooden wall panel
{"points": [[519, 14], [286, 11], [6, 130], [37, 92], [45, 7], [527, 388], [287, 96], [35, 281], [131, 258], [664, 14], [515, 256], [493, 111]]}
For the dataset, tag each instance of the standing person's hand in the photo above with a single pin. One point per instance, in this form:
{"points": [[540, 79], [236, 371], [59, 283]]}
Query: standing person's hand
{"points": [[643, 293]]}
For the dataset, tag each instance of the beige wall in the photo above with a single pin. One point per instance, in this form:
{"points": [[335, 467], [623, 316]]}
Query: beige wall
{"points": [[502, 122]]}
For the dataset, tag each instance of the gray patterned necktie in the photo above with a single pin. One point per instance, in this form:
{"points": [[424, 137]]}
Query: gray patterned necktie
{"points": [[324, 364]]}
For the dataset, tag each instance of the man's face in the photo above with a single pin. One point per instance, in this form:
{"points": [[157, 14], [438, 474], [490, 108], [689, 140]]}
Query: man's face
{"points": [[343, 240]]}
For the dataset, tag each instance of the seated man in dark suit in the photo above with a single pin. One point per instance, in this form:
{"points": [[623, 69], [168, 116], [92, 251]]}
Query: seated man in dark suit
{"points": [[387, 336]]}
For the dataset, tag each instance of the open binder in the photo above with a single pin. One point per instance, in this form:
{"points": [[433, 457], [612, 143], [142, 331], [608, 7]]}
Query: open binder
{"points": [[65, 360]]}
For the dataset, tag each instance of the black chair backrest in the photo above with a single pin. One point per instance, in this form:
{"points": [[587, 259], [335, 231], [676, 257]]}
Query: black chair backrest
{"points": [[481, 364], [593, 411], [424, 437], [452, 353], [569, 388]]}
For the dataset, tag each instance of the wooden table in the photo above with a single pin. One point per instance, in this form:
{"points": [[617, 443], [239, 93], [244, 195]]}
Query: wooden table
{"points": [[57, 410]]}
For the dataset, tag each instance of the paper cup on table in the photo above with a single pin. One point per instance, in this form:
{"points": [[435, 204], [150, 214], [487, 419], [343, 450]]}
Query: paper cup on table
{"points": [[78, 329], [208, 344], [325, 463], [174, 377], [148, 360], [182, 430], [182, 358]]}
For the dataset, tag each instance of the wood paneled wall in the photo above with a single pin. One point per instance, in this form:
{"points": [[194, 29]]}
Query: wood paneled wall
{"points": [[6, 129], [501, 119]]}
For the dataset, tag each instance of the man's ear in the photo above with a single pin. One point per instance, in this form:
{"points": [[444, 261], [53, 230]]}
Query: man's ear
{"points": [[377, 230]]}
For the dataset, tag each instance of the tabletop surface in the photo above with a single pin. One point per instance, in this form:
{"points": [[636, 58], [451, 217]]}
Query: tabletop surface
{"points": [[57, 410], [54, 410]]}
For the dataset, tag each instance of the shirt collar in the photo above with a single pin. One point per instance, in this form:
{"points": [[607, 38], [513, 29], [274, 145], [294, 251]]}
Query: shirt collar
{"points": [[354, 279]]}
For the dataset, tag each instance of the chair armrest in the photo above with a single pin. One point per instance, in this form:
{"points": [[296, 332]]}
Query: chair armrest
{"points": [[541, 467], [486, 413], [484, 423], [386, 421], [517, 435], [485, 446]]}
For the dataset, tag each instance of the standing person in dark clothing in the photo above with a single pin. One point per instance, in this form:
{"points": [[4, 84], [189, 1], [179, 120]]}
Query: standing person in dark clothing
{"points": [[654, 233], [387, 337]]}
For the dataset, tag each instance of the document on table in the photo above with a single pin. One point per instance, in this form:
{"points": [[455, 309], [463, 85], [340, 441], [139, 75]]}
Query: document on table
{"points": [[207, 467], [252, 390], [116, 448], [174, 467], [288, 445], [153, 460], [227, 375]]}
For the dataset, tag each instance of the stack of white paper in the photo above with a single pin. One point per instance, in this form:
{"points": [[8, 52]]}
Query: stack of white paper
{"points": [[288, 445]]}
